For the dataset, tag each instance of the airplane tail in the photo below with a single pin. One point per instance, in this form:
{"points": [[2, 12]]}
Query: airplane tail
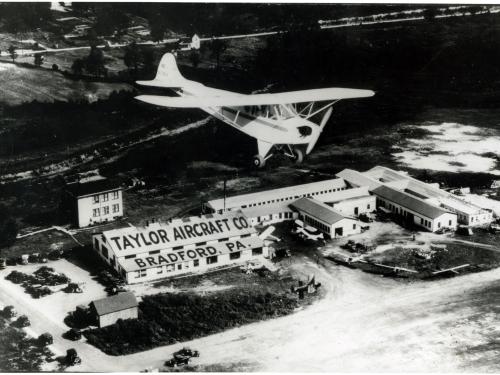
{"points": [[167, 75]]}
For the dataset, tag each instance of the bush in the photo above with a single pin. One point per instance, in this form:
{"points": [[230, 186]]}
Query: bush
{"points": [[168, 318]]}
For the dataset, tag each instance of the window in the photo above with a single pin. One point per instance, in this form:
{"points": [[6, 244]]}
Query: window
{"points": [[367, 206], [236, 255], [116, 208], [129, 256], [354, 226], [104, 251], [257, 251], [116, 194], [105, 197], [154, 252], [159, 270], [196, 263], [105, 210], [178, 247], [96, 244], [421, 221], [96, 212], [96, 198], [179, 266], [439, 224], [212, 259], [449, 223]]}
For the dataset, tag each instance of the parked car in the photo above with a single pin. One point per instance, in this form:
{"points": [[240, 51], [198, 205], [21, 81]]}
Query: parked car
{"points": [[72, 358], [73, 334]]}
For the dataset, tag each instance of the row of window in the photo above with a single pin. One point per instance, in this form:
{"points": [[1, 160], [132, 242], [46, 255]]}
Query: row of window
{"points": [[105, 197], [317, 224], [196, 263], [96, 212], [292, 197]]}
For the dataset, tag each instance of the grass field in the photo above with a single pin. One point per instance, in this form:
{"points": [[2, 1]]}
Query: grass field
{"points": [[21, 85]]}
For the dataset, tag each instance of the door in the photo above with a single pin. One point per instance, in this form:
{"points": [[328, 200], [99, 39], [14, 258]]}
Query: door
{"points": [[339, 232]]}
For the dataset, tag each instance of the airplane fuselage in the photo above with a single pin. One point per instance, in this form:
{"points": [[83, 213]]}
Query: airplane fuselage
{"points": [[264, 124]]}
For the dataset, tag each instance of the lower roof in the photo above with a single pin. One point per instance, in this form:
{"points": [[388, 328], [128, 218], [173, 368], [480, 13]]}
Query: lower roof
{"points": [[318, 210]]}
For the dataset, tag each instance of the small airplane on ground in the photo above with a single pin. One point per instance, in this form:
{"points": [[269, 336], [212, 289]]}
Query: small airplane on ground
{"points": [[279, 121]]}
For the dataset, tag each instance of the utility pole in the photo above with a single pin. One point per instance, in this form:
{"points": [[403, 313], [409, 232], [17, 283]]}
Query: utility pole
{"points": [[225, 183]]}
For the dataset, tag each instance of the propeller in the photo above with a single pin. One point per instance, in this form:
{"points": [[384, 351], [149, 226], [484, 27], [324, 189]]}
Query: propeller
{"points": [[324, 120]]}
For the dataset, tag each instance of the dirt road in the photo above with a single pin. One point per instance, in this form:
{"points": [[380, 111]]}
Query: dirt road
{"points": [[365, 323]]}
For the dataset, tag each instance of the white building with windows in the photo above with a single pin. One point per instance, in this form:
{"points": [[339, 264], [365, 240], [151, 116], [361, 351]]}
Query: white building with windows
{"points": [[94, 201], [180, 246]]}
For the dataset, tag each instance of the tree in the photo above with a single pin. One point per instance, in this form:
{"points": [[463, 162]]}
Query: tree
{"points": [[132, 56], [194, 57], [157, 28], [12, 52], [38, 59], [95, 62], [217, 46], [149, 60], [8, 228], [77, 67]]}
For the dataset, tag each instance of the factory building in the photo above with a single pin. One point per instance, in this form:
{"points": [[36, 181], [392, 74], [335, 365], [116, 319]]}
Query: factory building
{"points": [[107, 311], [272, 206], [180, 246], [415, 210], [93, 201], [325, 218], [403, 187]]}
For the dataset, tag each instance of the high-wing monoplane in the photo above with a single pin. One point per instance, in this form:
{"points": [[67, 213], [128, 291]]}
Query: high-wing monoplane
{"points": [[279, 122]]}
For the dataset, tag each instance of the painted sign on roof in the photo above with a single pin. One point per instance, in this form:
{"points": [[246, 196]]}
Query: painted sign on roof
{"points": [[178, 233]]}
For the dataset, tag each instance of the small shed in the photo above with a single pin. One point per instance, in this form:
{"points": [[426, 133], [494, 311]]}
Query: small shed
{"points": [[120, 306]]}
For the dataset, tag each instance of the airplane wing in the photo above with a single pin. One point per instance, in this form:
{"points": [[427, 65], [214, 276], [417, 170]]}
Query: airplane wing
{"points": [[240, 100]]}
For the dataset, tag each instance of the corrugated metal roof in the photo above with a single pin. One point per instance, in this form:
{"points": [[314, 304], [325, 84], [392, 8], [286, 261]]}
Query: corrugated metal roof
{"points": [[318, 210], [412, 203], [118, 302]]}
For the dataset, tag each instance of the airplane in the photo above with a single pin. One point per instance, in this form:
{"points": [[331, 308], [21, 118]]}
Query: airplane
{"points": [[279, 122]]}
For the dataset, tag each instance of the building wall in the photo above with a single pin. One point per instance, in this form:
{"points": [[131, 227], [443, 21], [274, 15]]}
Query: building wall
{"points": [[272, 218], [173, 269], [363, 205], [87, 208], [176, 269], [109, 319], [346, 226]]}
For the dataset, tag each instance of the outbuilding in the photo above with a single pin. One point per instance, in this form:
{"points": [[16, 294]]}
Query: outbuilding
{"points": [[108, 310]]}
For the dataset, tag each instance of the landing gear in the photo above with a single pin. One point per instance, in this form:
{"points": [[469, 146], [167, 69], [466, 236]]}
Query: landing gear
{"points": [[259, 161], [298, 156]]}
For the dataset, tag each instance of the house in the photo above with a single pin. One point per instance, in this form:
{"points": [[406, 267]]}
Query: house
{"points": [[93, 201], [108, 310]]}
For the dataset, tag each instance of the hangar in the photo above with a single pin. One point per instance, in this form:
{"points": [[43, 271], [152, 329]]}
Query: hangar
{"points": [[180, 246], [325, 218], [393, 188]]}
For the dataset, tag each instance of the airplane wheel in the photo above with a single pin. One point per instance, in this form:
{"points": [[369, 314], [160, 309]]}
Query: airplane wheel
{"points": [[259, 161], [299, 156]]}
